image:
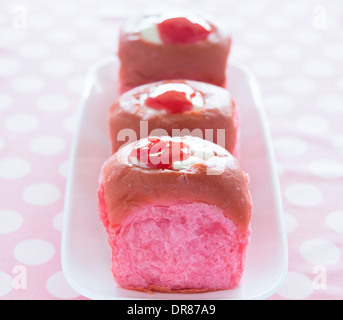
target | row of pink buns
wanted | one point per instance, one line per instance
(176, 207)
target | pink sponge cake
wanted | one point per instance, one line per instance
(175, 108)
(172, 46)
(177, 213)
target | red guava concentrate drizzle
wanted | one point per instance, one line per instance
(156, 153)
(171, 98)
(182, 30)
(170, 101)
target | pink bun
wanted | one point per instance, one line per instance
(218, 116)
(144, 62)
(176, 231)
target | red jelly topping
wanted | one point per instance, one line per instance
(172, 98)
(160, 154)
(182, 30)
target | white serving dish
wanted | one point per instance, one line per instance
(85, 251)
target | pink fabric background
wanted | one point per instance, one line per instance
(295, 49)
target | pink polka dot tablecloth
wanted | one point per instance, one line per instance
(295, 49)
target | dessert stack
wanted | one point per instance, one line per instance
(173, 198)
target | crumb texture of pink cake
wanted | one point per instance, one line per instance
(181, 247)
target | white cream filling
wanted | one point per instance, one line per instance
(199, 155)
(136, 162)
(148, 30)
(178, 165)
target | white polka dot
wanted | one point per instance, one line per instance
(21, 123)
(334, 221)
(12, 37)
(258, 37)
(333, 23)
(250, 9)
(277, 22)
(59, 287)
(297, 286)
(5, 284)
(47, 145)
(75, 84)
(302, 194)
(5, 101)
(86, 23)
(58, 222)
(296, 8)
(10, 221)
(320, 252)
(57, 67)
(291, 223)
(312, 124)
(34, 50)
(112, 9)
(14, 168)
(299, 85)
(339, 84)
(241, 53)
(40, 21)
(53, 103)
(9, 66)
(320, 68)
(28, 84)
(71, 123)
(65, 8)
(288, 52)
(63, 169)
(288, 146)
(232, 24)
(331, 103)
(279, 103)
(61, 36)
(326, 168)
(3, 18)
(338, 143)
(85, 52)
(333, 51)
(108, 40)
(34, 251)
(41, 194)
(2, 144)
(267, 68)
(337, 7)
(306, 36)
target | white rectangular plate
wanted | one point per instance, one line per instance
(85, 251)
